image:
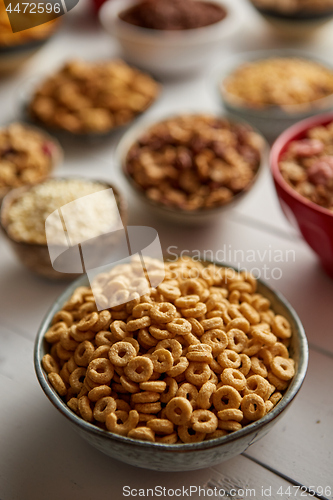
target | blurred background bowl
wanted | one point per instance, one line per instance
(163, 52)
(170, 214)
(314, 222)
(179, 457)
(35, 256)
(270, 121)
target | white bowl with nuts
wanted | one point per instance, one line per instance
(169, 50)
(189, 168)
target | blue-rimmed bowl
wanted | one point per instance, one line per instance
(179, 457)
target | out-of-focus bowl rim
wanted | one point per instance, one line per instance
(297, 16)
(287, 398)
(142, 126)
(295, 132)
(171, 37)
(270, 112)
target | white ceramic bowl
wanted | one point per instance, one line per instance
(163, 52)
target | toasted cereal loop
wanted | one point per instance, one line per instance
(187, 384)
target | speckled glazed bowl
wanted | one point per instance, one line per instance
(179, 457)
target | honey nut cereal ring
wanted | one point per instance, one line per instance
(204, 399)
(197, 328)
(195, 312)
(252, 348)
(145, 397)
(163, 312)
(103, 407)
(179, 367)
(204, 421)
(161, 426)
(191, 339)
(258, 367)
(173, 346)
(54, 332)
(119, 329)
(226, 397)
(234, 297)
(133, 299)
(81, 336)
(49, 364)
(153, 386)
(139, 369)
(100, 371)
(170, 391)
(129, 385)
(84, 407)
(253, 407)
(128, 421)
(188, 435)
(281, 327)
(179, 326)
(119, 316)
(141, 310)
(63, 316)
(283, 368)
(197, 373)
(169, 439)
(275, 397)
(57, 383)
(170, 292)
(67, 342)
(216, 434)
(229, 359)
(263, 336)
(146, 417)
(269, 406)
(62, 353)
(189, 392)
(148, 407)
(145, 339)
(229, 425)
(230, 414)
(216, 339)
(121, 353)
(122, 405)
(257, 385)
(237, 340)
(134, 343)
(104, 320)
(179, 411)
(71, 365)
(65, 373)
(216, 367)
(101, 352)
(233, 377)
(73, 404)
(200, 352)
(102, 391)
(212, 323)
(266, 356)
(104, 337)
(234, 312)
(245, 366)
(88, 322)
(137, 324)
(143, 434)
(191, 287)
(162, 360)
(83, 353)
(159, 334)
(76, 379)
(278, 349)
(249, 313)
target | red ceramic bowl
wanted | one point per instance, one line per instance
(314, 222)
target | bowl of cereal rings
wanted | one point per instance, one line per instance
(189, 168)
(302, 168)
(178, 377)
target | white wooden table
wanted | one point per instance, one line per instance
(40, 457)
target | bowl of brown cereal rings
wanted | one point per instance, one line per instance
(189, 168)
(274, 89)
(179, 377)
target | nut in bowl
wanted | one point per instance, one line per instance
(25, 219)
(275, 89)
(170, 38)
(191, 167)
(302, 168)
(92, 99)
(181, 378)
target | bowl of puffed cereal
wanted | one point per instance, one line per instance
(302, 168)
(275, 89)
(90, 99)
(189, 168)
(178, 377)
(46, 223)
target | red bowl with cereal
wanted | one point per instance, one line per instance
(302, 167)
(189, 168)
